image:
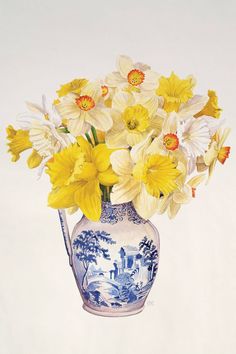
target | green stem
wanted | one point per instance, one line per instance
(88, 138)
(103, 189)
(95, 135)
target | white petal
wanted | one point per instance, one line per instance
(68, 110)
(213, 123)
(163, 204)
(193, 106)
(211, 154)
(92, 89)
(77, 126)
(173, 209)
(156, 147)
(138, 151)
(196, 180)
(156, 124)
(33, 107)
(184, 195)
(150, 81)
(170, 123)
(134, 138)
(100, 119)
(115, 79)
(150, 103)
(142, 66)
(124, 65)
(121, 162)
(116, 139)
(145, 204)
(121, 100)
(195, 136)
(125, 191)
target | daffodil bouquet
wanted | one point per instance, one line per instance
(135, 136)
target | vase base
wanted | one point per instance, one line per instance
(112, 314)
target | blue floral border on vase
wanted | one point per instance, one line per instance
(112, 214)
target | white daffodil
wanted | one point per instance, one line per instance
(134, 116)
(182, 195)
(81, 111)
(143, 178)
(216, 152)
(46, 133)
(190, 137)
(132, 76)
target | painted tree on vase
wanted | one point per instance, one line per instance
(89, 248)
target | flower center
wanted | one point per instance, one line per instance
(136, 118)
(135, 77)
(104, 90)
(171, 141)
(85, 102)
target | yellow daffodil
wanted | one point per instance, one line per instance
(76, 174)
(74, 86)
(143, 179)
(175, 91)
(134, 116)
(131, 76)
(83, 110)
(19, 142)
(211, 108)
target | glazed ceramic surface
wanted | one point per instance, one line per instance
(114, 260)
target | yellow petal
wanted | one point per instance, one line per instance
(61, 166)
(211, 108)
(34, 160)
(72, 86)
(108, 177)
(101, 157)
(85, 146)
(87, 172)
(88, 199)
(63, 197)
(19, 142)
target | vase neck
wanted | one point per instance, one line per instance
(111, 214)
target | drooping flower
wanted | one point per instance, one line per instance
(211, 108)
(175, 91)
(83, 110)
(18, 142)
(134, 116)
(132, 76)
(74, 86)
(142, 179)
(215, 152)
(76, 174)
(182, 195)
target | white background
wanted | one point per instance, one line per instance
(192, 306)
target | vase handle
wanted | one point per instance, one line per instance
(66, 233)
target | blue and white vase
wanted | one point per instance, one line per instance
(114, 260)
